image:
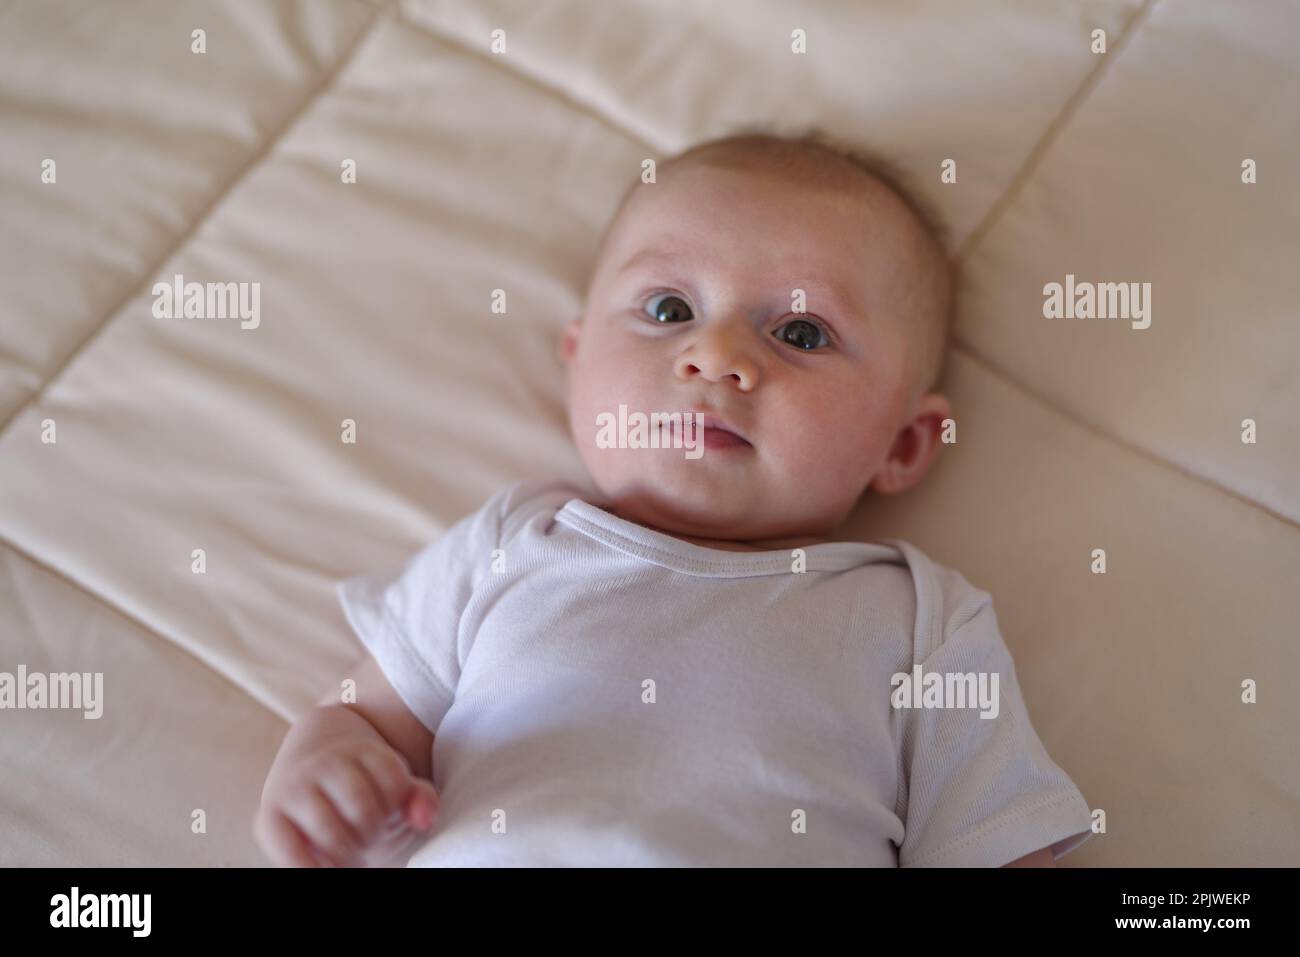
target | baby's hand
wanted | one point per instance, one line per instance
(342, 805)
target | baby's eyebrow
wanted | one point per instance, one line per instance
(842, 301)
(648, 257)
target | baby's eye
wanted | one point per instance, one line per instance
(802, 334)
(670, 308)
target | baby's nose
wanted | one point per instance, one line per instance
(718, 357)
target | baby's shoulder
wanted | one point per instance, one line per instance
(529, 500)
(943, 600)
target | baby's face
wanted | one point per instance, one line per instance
(820, 394)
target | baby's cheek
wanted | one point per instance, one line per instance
(839, 448)
(827, 427)
(584, 405)
(607, 376)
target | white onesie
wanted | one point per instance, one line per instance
(603, 694)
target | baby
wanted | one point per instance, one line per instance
(679, 664)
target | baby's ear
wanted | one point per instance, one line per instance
(915, 447)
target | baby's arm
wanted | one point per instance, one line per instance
(388, 714)
(349, 780)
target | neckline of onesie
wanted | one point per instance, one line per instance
(700, 560)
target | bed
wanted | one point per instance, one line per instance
(177, 496)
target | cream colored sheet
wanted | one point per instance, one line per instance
(478, 171)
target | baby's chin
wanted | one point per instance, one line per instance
(682, 502)
(677, 494)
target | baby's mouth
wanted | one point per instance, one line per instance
(714, 432)
(723, 439)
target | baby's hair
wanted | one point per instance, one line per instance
(934, 290)
(755, 139)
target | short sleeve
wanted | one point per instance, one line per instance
(409, 618)
(981, 791)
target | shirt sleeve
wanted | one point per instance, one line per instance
(409, 618)
(982, 791)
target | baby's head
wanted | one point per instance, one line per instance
(694, 305)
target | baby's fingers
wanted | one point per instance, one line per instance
(355, 797)
(283, 842)
(422, 804)
(392, 776)
(321, 823)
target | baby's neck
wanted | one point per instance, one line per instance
(726, 544)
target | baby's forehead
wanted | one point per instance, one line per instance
(841, 193)
(827, 221)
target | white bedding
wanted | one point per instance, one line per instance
(476, 171)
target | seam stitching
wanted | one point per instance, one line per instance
(533, 79)
(248, 166)
(1058, 798)
(131, 618)
(1114, 440)
(1054, 128)
(999, 207)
